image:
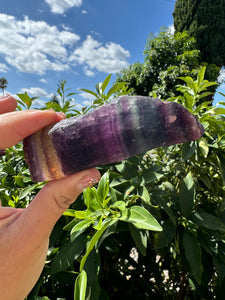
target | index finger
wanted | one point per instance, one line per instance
(15, 126)
(7, 104)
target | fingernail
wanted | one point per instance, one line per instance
(60, 115)
(86, 182)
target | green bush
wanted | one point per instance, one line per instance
(110, 243)
(167, 57)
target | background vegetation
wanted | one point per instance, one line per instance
(154, 227)
(205, 21)
(110, 243)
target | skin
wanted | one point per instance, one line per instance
(24, 233)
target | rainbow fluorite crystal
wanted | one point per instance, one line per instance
(126, 126)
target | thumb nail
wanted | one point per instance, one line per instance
(88, 181)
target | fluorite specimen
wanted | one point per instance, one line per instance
(126, 126)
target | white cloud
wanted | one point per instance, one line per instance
(38, 103)
(87, 103)
(34, 92)
(37, 47)
(66, 27)
(60, 6)
(110, 58)
(87, 96)
(43, 80)
(88, 72)
(171, 29)
(221, 78)
(84, 12)
(3, 68)
(34, 46)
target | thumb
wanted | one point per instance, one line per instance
(54, 198)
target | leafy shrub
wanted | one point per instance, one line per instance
(110, 244)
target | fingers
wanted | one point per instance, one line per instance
(7, 104)
(56, 196)
(8, 215)
(15, 126)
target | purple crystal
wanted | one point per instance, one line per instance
(126, 126)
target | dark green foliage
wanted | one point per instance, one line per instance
(109, 242)
(204, 20)
(167, 57)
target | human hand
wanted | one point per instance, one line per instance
(24, 233)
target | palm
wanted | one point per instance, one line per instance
(3, 84)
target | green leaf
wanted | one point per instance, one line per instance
(80, 228)
(221, 94)
(70, 94)
(103, 187)
(163, 238)
(207, 220)
(89, 92)
(189, 101)
(221, 157)
(128, 170)
(92, 200)
(109, 230)
(203, 146)
(140, 238)
(201, 75)
(121, 205)
(140, 218)
(68, 254)
(26, 99)
(167, 209)
(193, 255)
(94, 240)
(202, 106)
(106, 82)
(205, 84)
(188, 80)
(69, 212)
(143, 193)
(26, 191)
(98, 226)
(217, 111)
(203, 95)
(87, 197)
(80, 214)
(150, 176)
(186, 90)
(187, 195)
(128, 192)
(69, 226)
(116, 87)
(188, 149)
(220, 268)
(92, 268)
(80, 286)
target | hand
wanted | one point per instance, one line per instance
(24, 233)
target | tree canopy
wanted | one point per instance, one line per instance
(167, 57)
(204, 20)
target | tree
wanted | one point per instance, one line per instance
(204, 20)
(167, 57)
(3, 84)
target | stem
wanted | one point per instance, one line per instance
(182, 286)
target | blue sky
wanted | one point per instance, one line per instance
(80, 41)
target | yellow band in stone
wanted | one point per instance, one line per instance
(50, 164)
